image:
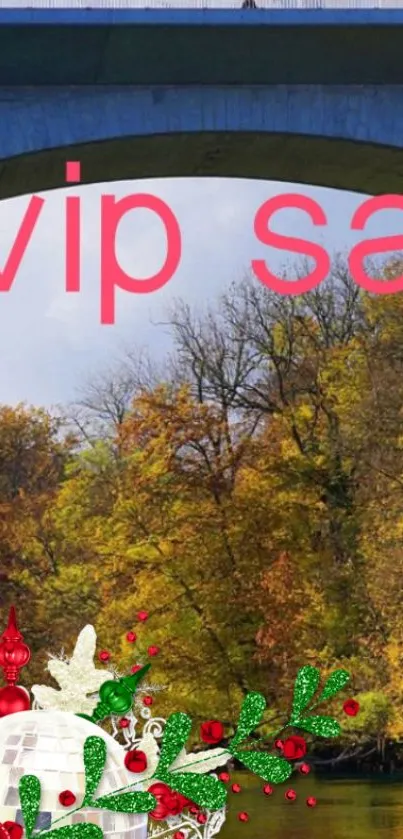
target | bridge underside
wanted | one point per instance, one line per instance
(320, 161)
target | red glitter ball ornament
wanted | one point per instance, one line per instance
(236, 788)
(153, 650)
(124, 723)
(311, 801)
(224, 777)
(212, 731)
(13, 698)
(290, 795)
(294, 748)
(268, 789)
(131, 637)
(202, 818)
(148, 701)
(193, 810)
(142, 616)
(104, 656)
(305, 769)
(67, 798)
(179, 835)
(14, 830)
(136, 761)
(243, 817)
(136, 668)
(351, 707)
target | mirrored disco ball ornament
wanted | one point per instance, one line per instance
(50, 745)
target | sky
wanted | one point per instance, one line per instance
(51, 342)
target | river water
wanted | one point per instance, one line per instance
(344, 810)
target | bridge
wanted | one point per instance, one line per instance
(312, 95)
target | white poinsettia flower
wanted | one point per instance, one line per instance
(78, 678)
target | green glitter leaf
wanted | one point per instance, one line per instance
(322, 726)
(127, 802)
(306, 685)
(252, 711)
(204, 790)
(94, 763)
(30, 796)
(269, 767)
(176, 732)
(76, 831)
(334, 684)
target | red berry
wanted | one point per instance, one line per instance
(224, 776)
(351, 707)
(13, 829)
(136, 761)
(279, 744)
(179, 835)
(67, 798)
(236, 788)
(290, 795)
(243, 817)
(132, 637)
(148, 701)
(305, 769)
(124, 723)
(104, 655)
(153, 650)
(212, 731)
(193, 810)
(142, 616)
(311, 801)
(202, 818)
(268, 789)
(294, 748)
(135, 668)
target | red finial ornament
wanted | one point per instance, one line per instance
(14, 655)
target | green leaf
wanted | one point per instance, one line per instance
(30, 797)
(322, 726)
(205, 791)
(94, 763)
(253, 708)
(127, 802)
(76, 831)
(269, 767)
(306, 685)
(176, 732)
(334, 684)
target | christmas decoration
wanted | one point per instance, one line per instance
(78, 679)
(49, 748)
(116, 695)
(311, 801)
(351, 707)
(211, 731)
(294, 748)
(73, 775)
(14, 655)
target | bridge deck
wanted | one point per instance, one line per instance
(188, 47)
